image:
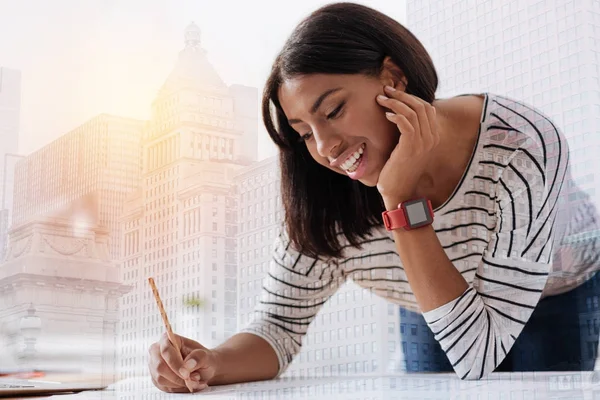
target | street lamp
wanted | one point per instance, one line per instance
(30, 327)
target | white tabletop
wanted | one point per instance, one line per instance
(512, 386)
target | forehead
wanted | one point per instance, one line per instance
(298, 94)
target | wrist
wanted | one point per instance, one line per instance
(218, 365)
(391, 202)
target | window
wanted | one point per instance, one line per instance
(391, 346)
(415, 365)
(414, 348)
(413, 329)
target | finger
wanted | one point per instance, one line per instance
(434, 136)
(427, 118)
(425, 115)
(407, 130)
(396, 106)
(196, 361)
(195, 376)
(168, 389)
(162, 380)
(188, 345)
(170, 355)
(159, 367)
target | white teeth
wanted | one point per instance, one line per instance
(353, 160)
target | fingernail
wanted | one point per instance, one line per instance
(195, 376)
(382, 97)
(189, 364)
(389, 114)
(184, 372)
(391, 89)
(197, 385)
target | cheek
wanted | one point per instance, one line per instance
(312, 149)
(381, 132)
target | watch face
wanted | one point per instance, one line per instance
(417, 213)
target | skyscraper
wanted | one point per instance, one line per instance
(181, 225)
(354, 332)
(101, 156)
(6, 202)
(544, 54)
(10, 106)
(60, 292)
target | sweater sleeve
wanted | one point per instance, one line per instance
(293, 291)
(478, 329)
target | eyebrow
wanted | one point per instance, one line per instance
(317, 103)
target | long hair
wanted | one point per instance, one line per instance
(340, 38)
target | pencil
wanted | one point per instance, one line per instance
(163, 314)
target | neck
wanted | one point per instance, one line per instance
(449, 158)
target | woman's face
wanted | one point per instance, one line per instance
(339, 119)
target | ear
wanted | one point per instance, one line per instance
(392, 75)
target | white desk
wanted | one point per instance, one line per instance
(511, 386)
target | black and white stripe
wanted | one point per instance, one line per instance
(500, 238)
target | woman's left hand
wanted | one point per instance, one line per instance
(416, 120)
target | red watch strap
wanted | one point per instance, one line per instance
(394, 219)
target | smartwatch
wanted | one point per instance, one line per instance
(410, 214)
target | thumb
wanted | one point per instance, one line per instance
(197, 359)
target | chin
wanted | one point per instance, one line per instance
(368, 182)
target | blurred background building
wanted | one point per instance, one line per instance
(183, 197)
(10, 106)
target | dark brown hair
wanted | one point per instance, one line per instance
(340, 38)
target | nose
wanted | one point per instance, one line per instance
(328, 143)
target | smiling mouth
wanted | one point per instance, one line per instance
(352, 162)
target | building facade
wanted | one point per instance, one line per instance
(59, 294)
(102, 156)
(355, 331)
(6, 202)
(544, 54)
(180, 226)
(10, 106)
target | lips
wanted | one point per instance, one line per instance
(346, 160)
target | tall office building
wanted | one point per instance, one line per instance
(59, 292)
(10, 106)
(354, 332)
(544, 54)
(6, 202)
(58, 261)
(180, 226)
(101, 156)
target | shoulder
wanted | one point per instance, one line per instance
(466, 111)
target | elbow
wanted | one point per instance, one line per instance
(472, 374)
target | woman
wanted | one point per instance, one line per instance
(351, 104)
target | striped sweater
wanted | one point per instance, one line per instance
(500, 228)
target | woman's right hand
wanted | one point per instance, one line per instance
(175, 372)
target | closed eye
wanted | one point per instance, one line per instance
(335, 112)
(304, 137)
(332, 115)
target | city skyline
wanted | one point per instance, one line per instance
(205, 208)
(109, 57)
